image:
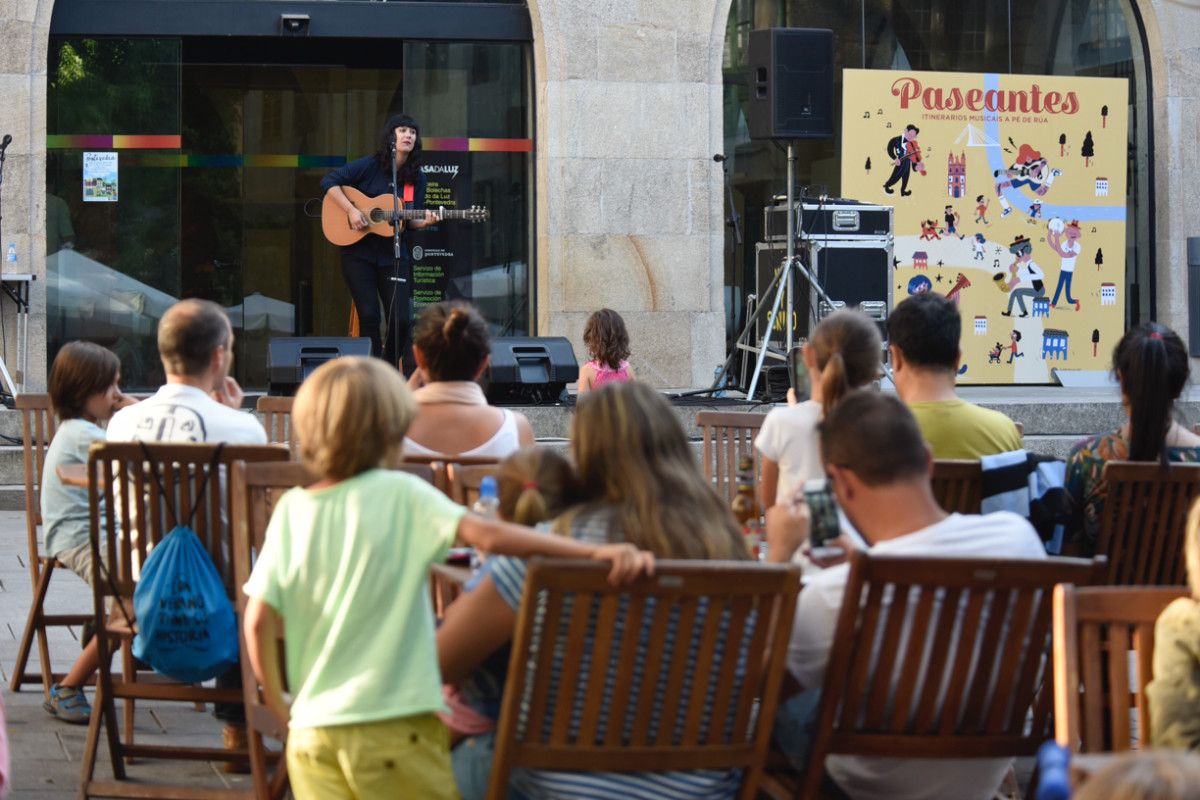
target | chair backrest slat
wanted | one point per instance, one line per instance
(654, 697)
(958, 485)
(727, 437)
(939, 657)
(276, 415)
(1096, 629)
(1142, 522)
(465, 479)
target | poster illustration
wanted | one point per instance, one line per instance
(100, 177)
(1010, 198)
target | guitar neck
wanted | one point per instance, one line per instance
(409, 214)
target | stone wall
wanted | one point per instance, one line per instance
(630, 211)
(1175, 65)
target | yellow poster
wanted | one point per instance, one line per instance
(1009, 193)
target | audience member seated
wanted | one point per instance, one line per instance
(200, 402)
(843, 354)
(452, 349)
(535, 484)
(879, 468)
(641, 484)
(1174, 693)
(83, 392)
(607, 343)
(923, 334)
(1151, 366)
(343, 573)
(1145, 775)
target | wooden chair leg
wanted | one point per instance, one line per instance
(129, 675)
(35, 625)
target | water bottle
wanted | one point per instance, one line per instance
(1054, 765)
(488, 505)
(11, 258)
(719, 378)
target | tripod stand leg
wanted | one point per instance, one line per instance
(762, 351)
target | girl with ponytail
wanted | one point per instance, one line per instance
(1151, 366)
(844, 354)
(452, 348)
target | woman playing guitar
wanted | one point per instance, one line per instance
(369, 266)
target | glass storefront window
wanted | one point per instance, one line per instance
(221, 146)
(1057, 37)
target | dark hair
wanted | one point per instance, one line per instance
(605, 337)
(912, 128)
(848, 352)
(979, 199)
(454, 339)
(925, 328)
(80, 370)
(410, 170)
(1152, 367)
(189, 333)
(875, 436)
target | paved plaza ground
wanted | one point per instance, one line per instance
(46, 753)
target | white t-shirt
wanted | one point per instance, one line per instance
(181, 413)
(1030, 271)
(999, 535)
(1074, 248)
(789, 438)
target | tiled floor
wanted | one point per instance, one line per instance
(46, 753)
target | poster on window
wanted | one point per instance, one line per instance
(442, 254)
(1009, 193)
(99, 177)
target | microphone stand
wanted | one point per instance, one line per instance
(397, 258)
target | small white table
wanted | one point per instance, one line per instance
(16, 286)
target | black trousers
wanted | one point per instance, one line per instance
(377, 297)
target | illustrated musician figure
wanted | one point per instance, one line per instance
(905, 154)
(369, 266)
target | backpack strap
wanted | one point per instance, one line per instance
(213, 465)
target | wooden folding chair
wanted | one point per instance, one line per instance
(579, 697)
(728, 436)
(465, 480)
(137, 516)
(958, 485)
(256, 488)
(940, 658)
(1142, 522)
(1095, 630)
(37, 429)
(439, 464)
(277, 420)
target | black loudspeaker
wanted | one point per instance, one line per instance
(791, 83)
(291, 359)
(530, 370)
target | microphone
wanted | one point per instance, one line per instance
(719, 157)
(6, 141)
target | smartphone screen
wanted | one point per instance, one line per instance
(798, 373)
(824, 510)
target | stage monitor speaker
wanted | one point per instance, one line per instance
(791, 83)
(291, 359)
(530, 370)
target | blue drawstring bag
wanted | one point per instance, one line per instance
(186, 628)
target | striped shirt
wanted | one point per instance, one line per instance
(508, 575)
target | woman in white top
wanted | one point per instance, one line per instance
(452, 348)
(844, 354)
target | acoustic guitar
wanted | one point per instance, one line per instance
(336, 225)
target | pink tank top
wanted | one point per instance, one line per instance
(606, 374)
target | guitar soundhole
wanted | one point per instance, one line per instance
(376, 215)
